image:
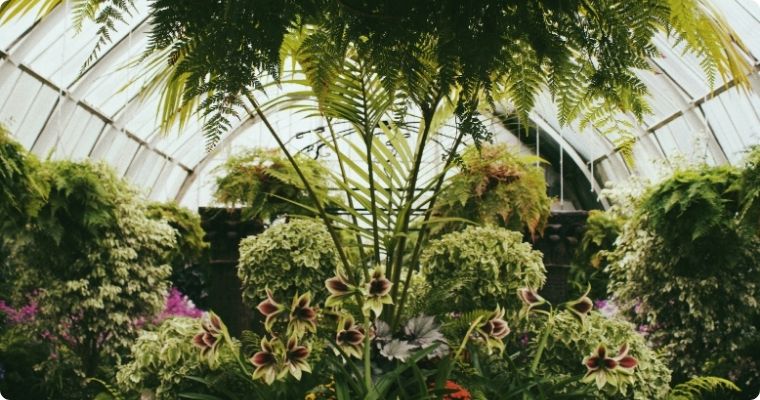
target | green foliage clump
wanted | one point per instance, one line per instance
(592, 257)
(297, 256)
(96, 259)
(267, 185)
(569, 341)
(750, 187)
(19, 353)
(693, 214)
(687, 269)
(20, 192)
(187, 256)
(161, 359)
(499, 187)
(480, 267)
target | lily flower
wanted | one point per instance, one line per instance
(295, 359)
(265, 361)
(350, 337)
(624, 360)
(582, 306)
(270, 308)
(211, 336)
(339, 289)
(378, 292)
(603, 369)
(530, 299)
(302, 316)
(494, 330)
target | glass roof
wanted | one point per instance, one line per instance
(58, 110)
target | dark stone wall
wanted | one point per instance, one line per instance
(559, 243)
(224, 230)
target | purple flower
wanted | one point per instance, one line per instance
(22, 315)
(607, 308)
(177, 305)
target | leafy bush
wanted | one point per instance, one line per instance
(497, 186)
(592, 257)
(750, 187)
(685, 268)
(97, 261)
(570, 340)
(161, 359)
(297, 256)
(20, 192)
(261, 180)
(480, 267)
(189, 273)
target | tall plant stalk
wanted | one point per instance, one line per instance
(403, 228)
(312, 194)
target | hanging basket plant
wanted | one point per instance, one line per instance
(497, 186)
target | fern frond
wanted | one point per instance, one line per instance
(695, 388)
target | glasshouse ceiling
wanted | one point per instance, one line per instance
(60, 110)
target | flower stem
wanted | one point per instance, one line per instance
(367, 359)
(466, 339)
(542, 343)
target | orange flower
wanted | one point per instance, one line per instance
(455, 392)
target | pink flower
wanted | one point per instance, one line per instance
(178, 305)
(22, 315)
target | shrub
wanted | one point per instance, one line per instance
(161, 359)
(685, 267)
(20, 191)
(261, 180)
(297, 256)
(97, 260)
(569, 341)
(187, 257)
(497, 186)
(480, 267)
(592, 257)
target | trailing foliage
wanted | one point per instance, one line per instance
(592, 256)
(496, 186)
(97, 261)
(297, 256)
(684, 264)
(264, 182)
(584, 52)
(480, 268)
(692, 213)
(187, 257)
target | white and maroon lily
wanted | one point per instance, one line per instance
(530, 299)
(581, 307)
(494, 330)
(378, 292)
(350, 337)
(266, 362)
(270, 308)
(339, 289)
(604, 369)
(211, 336)
(302, 316)
(295, 359)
